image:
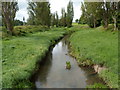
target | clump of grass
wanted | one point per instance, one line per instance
(97, 86)
(68, 65)
(85, 63)
(99, 46)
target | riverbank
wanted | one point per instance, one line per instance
(97, 47)
(21, 54)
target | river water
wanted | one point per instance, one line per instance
(52, 72)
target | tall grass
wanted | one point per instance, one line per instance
(101, 47)
(20, 55)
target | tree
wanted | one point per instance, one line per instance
(83, 18)
(77, 21)
(105, 13)
(63, 18)
(91, 13)
(43, 15)
(53, 19)
(115, 10)
(31, 12)
(56, 19)
(9, 10)
(18, 23)
(39, 13)
(70, 14)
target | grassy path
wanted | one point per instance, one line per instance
(20, 54)
(99, 46)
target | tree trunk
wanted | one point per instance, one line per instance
(106, 23)
(9, 25)
(94, 23)
(115, 22)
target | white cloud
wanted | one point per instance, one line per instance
(22, 4)
(56, 5)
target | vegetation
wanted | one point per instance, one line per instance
(100, 13)
(20, 55)
(70, 14)
(23, 46)
(9, 10)
(39, 13)
(102, 49)
(68, 65)
(97, 86)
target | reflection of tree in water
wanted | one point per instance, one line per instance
(44, 68)
(91, 76)
(65, 40)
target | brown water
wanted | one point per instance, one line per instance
(52, 72)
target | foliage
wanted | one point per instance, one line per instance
(97, 13)
(68, 65)
(9, 10)
(70, 14)
(97, 86)
(63, 18)
(23, 30)
(31, 12)
(39, 13)
(18, 23)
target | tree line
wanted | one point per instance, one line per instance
(40, 14)
(93, 13)
(101, 13)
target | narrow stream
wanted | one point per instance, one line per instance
(52, 72)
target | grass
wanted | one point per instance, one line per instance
(97, 86)
(20, 55)
(99, 46)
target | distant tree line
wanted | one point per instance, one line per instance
(39, 14)
(100, 13)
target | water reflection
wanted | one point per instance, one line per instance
(44, 70)
(52, 73)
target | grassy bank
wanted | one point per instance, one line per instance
(101, 47)
(20, 55)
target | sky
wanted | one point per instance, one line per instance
(55, 5)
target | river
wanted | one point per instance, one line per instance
(53, 74)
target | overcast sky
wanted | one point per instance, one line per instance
(55, 5)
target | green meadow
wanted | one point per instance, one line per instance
(22, 52)
(101, 47)
(20, 55)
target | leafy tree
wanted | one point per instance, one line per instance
(9, 10)
(70, 14)
(43, 15)
(105, 13)
(31, 12)
(39, 13)
(115, 10)
(63, 18)
(56, 19)
(77, 21)
(93, 13)
(18, 23)
(53, 19)
(83, 18)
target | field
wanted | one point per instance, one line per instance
(101, 47)
(20, 55)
